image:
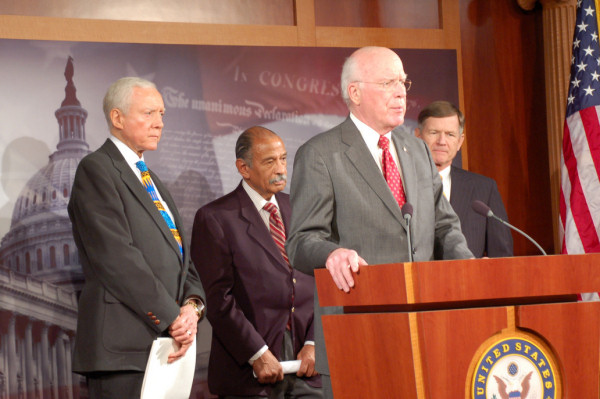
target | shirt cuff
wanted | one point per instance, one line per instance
(195, 298)
(258, 354)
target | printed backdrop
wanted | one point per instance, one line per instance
(211, 94)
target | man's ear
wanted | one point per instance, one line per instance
(418, 132)
(461, 140)
(354, 93)
(242, 168)
(116, 117)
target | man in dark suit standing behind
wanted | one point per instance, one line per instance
(139, 280)
(441, 126)
(260, 309)
(350, 183)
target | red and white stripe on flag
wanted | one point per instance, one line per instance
(580, 158)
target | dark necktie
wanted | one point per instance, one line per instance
(147, 181)
(390, 171)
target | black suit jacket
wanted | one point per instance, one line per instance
(485, 236)
(249, 289)
(135, 277)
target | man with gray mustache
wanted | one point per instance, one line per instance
(261, 309)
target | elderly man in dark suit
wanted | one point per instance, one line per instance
(350, 183)
(139, 280)
(260, 309)
(441, 126)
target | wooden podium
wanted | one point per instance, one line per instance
(419, 330)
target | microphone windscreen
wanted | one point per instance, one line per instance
(407, 209)
(481, 208)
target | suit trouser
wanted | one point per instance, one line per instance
(115, 384)
(327, 390)
(291, 386)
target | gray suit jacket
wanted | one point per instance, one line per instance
(135, 277)
(484, 236)
(340, 199)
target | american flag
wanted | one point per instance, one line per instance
(580, 158)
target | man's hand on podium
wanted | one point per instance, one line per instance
(341, 263)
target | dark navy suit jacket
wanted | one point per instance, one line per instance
(485, 236)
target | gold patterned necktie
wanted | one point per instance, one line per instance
(149, 185)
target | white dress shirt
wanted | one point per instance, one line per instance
(371, 138)
(132, 158)
(259, 202)
(446, 181)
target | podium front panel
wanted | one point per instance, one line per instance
(370, 355)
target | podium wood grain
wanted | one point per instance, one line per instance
(413, 330)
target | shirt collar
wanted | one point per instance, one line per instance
(445, 172)
(370, 136)
(130, 156)
(257, 199)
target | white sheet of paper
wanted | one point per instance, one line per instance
(163, 380)
(291, 366)
(288, 366)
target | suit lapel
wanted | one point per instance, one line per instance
(257, 229)
(358, 153)
(409, 177)
(460, 192)
(140, 193)
(285, 210)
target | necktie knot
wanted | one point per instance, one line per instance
(141, 165)
(383, 143)
(270, 207)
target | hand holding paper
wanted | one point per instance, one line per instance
(168, 380)
(267, 369)
(289, 367)
(307, 358)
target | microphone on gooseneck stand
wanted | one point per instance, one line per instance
(407, 211)
(485, 210)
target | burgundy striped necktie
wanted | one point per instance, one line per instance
(277, 229)
(278, 233)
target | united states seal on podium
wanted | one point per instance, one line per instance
(515, 365)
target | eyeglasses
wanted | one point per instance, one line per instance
(391, 85)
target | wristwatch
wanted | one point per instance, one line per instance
(198, 308)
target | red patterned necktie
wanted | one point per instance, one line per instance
(390, 171)
(277, 229)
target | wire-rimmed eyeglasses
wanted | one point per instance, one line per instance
(392, 84)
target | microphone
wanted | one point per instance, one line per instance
(407, 211)
(485, 210)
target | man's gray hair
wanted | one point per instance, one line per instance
(349, 72)
(119, 94)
